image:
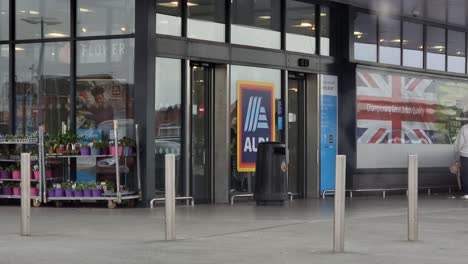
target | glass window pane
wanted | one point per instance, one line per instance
(110, 17)
(456, 12)
(4, 19)
(435, 46)
(436, 10)
(412, 45)
(325, 31)
(365, 37)
(42, 86)
(206, 19)
(105, 83)
(260, 18)
(253, 74)
(4, 89)
(300, 27)
(42, 19)
(413, 8)
(389, 41)
(168, 115)
(168, 17)
(456, 51)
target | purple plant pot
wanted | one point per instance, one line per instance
(59, 193)
(4, 175)
(50, 193)
(97, 192)
(87, 193)
(78, 193)
(104, 151)
(85, 151)
(7, 191)
(68, 193)
(127, 151)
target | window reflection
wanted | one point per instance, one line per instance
(412, 45)
(456, 12)
(435, 46)
(300, 27)
(206, 19)
(110, 17)
(104, 83)
(456, 51)
(42, 19)
(42, 86)
(389, 41)
(325, 31)
(168, 116)
(365, 37)
(4, 19)
(4, 89)
(168, 17)
(436, 10)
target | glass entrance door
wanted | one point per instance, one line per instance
(202, 82)
(296, 133)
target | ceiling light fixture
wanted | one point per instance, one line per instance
(323, 14)
(357, 33)
(85, 10)
(304, 25)
(55, 35)
(33, 12)
(123, 29)
(19, 49)
(264, 17)
(84, 30)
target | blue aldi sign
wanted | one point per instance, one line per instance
(256, 121)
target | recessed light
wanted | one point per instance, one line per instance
(264, 17)
(357, 33)
(323, 14)
(22, 11)
(33, 12)
(123, 29)
(55, 35)
(84, 30)
(85, 10)
(19, 49)
(170, 4)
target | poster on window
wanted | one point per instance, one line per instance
(400, 109)
(256, 121)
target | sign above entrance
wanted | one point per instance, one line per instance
(256, 121)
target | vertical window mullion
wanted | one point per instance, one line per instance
(227, 21)
(318, 32)
(11, 75)
(184, 15)
(73, 24)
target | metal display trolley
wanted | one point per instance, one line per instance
(119, 169)
(38, 143)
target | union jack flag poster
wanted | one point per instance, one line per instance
(395, 108)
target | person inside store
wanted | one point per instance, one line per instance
(461, 153)
(100, 111)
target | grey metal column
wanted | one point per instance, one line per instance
(340, 185)
(170, 196)
(187, 134)
(25, 194)
(413, 198)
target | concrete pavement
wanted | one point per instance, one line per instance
(300, 232)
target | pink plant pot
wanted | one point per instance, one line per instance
(112, 150)
(16, 174)
(49, 174)
(34, 191)
(16, 191)
(36, 175)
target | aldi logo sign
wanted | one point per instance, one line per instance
(256, 121)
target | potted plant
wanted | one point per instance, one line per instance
(104, 146)
(84, 150)
(97, 190)
(4, 173)
(59, 192)
(112, 150)
(7, 189)
(49, 172)
(36, 173)
(51, 143)
(108, 186)
(127, 146)
(15, 172)
(77, 189)
(34, 191)
(59, 145)
(95, 148)
(67, 187)
(16, 189)
(87, 189)
(51, 192)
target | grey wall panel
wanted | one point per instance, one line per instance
(257, 56)
(171, 47)
(221, 157)
(198, 50)
(312, 135)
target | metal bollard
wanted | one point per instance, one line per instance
(413, 198)
(170, 196)
(340, 193)
(25, 194)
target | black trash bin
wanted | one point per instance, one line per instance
(271, 180)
